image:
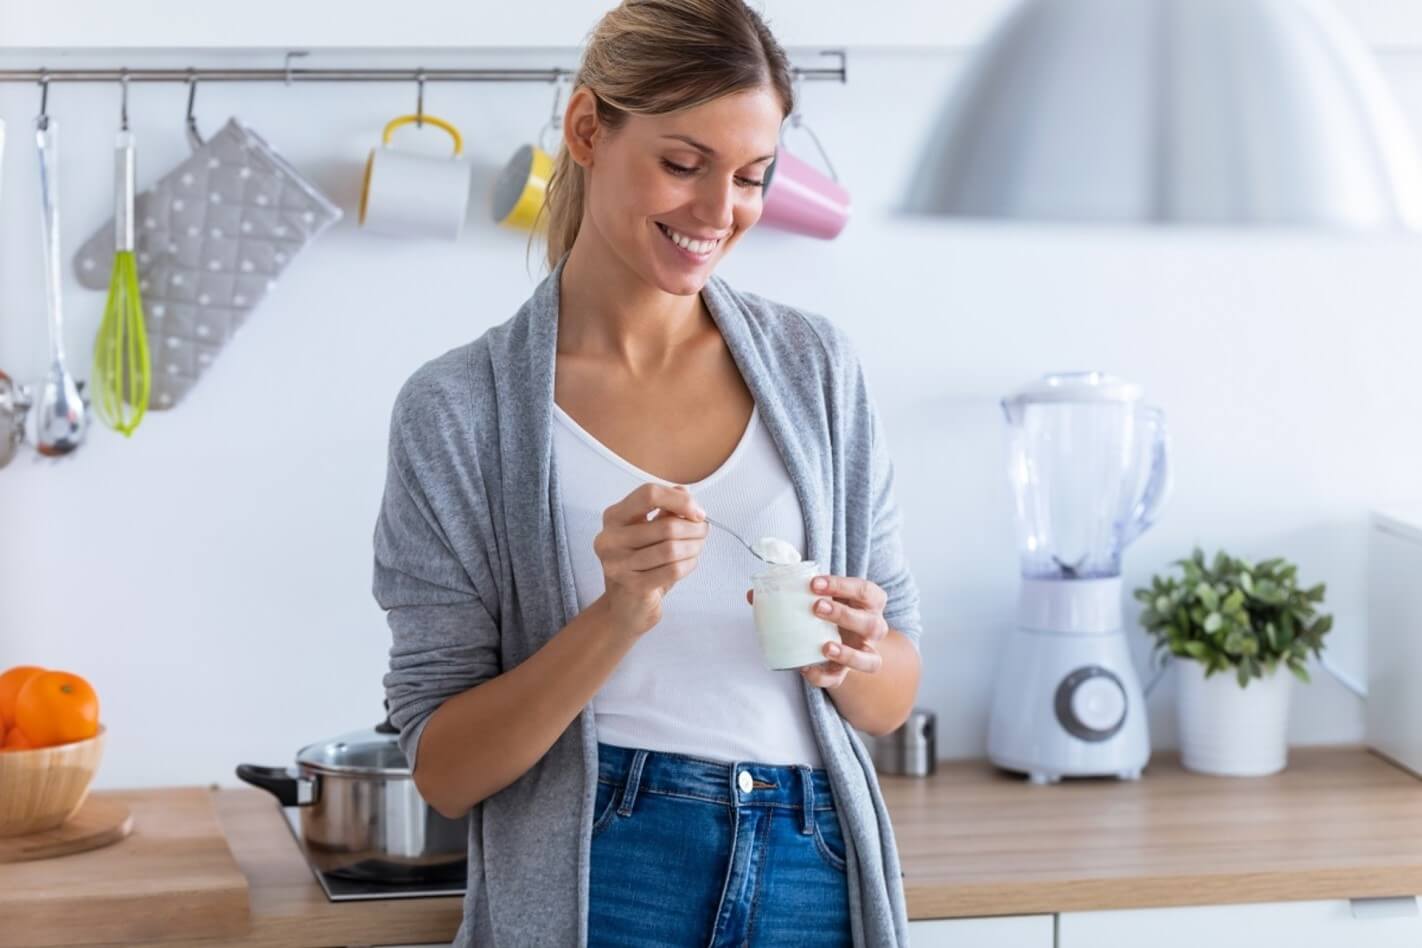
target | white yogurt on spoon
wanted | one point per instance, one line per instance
(775, 550)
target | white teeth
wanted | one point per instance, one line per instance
(686, 243)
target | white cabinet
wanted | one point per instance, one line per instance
(1014, 931)
(1331, 923)
(1393, 643)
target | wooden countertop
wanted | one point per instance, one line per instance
(1338, 823)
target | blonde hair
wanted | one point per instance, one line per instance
(651, 57)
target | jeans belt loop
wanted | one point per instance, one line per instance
(807, 788)
(634, 779)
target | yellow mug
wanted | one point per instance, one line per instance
(415, 195)
(521, 188)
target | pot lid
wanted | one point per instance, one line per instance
(371, 751)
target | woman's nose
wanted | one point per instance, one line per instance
(716, 203)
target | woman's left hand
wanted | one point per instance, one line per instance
(857, 607)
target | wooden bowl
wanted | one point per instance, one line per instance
(41, 788)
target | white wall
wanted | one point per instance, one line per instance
(376, 23)
(211, 576)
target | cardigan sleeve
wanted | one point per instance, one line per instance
(871, 508)
(888, 565)
(445, 639)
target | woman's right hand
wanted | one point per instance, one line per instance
(641, 558)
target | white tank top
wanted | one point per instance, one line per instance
(695, 683)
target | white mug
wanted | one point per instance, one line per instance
(414, 195)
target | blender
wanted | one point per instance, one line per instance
(1089, 472)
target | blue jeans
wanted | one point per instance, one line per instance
(693, 852)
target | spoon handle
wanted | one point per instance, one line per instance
(721, 526)
(47, 140)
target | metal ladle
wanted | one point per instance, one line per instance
(63, 414)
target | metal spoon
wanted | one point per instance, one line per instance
(62, 411)
(739, 538)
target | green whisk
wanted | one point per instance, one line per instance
(121, 367)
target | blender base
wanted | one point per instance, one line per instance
(1069, 704)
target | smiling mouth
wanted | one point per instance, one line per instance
(701, 248)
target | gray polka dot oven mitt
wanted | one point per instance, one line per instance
(212, 237)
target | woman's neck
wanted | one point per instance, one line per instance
(608, 311)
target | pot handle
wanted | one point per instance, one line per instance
(289, 788)
(385, 727)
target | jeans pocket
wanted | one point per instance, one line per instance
(605, 806)
(829, 839)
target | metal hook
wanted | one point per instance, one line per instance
(797, 84)
(43, 121)
(287, 61)
(123, 99)
(194, 138)
(555, 119)
(420, 98)
(797, 120)
(547, 138)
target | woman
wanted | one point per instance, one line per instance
(573, 662)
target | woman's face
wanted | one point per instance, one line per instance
(670, 194)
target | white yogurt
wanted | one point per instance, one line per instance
(790, 634)
(775, 550)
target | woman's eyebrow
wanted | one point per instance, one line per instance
(707, 150)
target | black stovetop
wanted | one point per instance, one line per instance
(339, 889)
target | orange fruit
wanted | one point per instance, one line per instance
(57, 707)
(15, 740)
(10, 684)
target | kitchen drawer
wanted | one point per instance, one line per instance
(1331, 923)
(1008, 931)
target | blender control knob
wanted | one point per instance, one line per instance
(1091, 703)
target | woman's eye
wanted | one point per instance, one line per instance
(682, 171)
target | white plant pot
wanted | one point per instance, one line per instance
(1229, 730)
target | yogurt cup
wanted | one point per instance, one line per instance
(790, 634)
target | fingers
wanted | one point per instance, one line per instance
(668, 551)
(869, 626)
(647, 500)
(664, 576)
(634, 536)
(825, 675)
(840, 660)
(864, 659)
(862, 592)
(645, 555)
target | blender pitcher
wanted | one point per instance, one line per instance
(1089, 472)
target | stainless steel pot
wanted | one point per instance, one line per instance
(361, 816)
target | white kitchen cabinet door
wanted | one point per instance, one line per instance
(1333, 923)
(1008, 931)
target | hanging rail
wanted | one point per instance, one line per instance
(289, 75)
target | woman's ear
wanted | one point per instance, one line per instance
(580, 126)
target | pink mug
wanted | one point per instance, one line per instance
(802, 200)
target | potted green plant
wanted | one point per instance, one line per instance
(1238, 624)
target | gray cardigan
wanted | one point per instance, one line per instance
(473, 568)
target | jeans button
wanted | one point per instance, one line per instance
(744, 781)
